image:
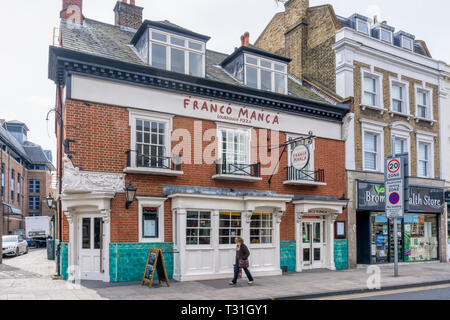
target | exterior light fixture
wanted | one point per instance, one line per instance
(130, 194)
(50, 201)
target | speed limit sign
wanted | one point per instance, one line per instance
(394, 169)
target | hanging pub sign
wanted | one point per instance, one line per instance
(300, 157)
(155, 263)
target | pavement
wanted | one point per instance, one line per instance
(28, 277)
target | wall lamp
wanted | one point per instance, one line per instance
(130, 194)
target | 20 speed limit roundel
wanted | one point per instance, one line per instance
(393, 166)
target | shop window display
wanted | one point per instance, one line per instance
(380, 238)
(421, 237)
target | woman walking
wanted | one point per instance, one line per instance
(242, 254)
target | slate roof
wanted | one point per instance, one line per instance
(108, 41)
(12, 142)
(35, 153)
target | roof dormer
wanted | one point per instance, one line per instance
(404, 40)
(383, 32)
(258, 69)
(166, 46)
(360, 23)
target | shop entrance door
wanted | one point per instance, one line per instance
(90, 247)
(313, 244)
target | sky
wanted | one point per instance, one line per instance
(26, 93)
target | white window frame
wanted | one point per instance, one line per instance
(376, 128)
(403, 131)
(213, 235)
(379, 89)
(272, 237)
(272, 70)
(169, 45)
(403, 38)
(149, 116)
(366, 23)
(429, 93)
(406, 106)
(245, 130)
(424, 137)
(144, 202)
(222, 246)
(381, 29)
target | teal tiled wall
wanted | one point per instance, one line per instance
(127, 260)
(341, 254)
(288, 255)
(64, 259)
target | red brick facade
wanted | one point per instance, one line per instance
(102, 135)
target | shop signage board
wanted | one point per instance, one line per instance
(155, 263)
(300, 157)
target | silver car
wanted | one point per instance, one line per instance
(14, 246)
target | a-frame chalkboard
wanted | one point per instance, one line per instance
(155, 262)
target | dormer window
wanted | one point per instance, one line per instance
(362, 26)
(385, 35)
(266, 75)
(407, 43)
(176, 53)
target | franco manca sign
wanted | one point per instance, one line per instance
(372, 197)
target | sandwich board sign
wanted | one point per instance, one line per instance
(394, 184)
(155, 263)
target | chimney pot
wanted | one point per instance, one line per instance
(72, 10)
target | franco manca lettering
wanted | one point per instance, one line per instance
(231, 113)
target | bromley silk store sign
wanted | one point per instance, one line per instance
(372, 197)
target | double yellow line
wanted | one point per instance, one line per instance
(383, 293)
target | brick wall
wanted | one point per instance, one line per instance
(388, 119)
(102, 136)
(45, 189)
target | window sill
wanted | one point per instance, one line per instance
(151, 240)
(304, 183)
(197, 247)
(364, 107)
(154, 171)
(235, 177)
(395, 113)
(431, 121)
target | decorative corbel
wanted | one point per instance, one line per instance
(106, 215)
(69, 216)
(247, 216)
(277, 215)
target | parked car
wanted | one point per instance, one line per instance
(14, 246)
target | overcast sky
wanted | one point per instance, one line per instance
(27, 27)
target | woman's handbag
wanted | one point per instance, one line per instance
(243, 264)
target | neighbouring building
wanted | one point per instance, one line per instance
(25, 177)
(217, 145)
(395, 87)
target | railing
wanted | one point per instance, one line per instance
(305, 175)
(249, 170)
(138, 160)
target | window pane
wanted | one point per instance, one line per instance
(266, 80)
(150, 222)
(407, 43)
(369, 84)
(280, 83)
(195, 64)
(266, 64)
(178, 41)
(195, 46)
(97, 233)
(385, 35)
(280, 67)
(159, 56)
(177, 60)
(159, 36)
(370, 142)
(86, 229)
(252, 77)
(362, 26)
(251, 60)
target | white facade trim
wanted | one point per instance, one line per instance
(397, 81)
(369, 126)
(428, 139)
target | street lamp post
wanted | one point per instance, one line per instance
(51, 205)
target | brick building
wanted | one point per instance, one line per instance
(217, 145)
(25, 177)
(397, 89)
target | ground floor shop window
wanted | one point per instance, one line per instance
(417, 238)
(229, 227)
(198, 228)
(421, 237)
(261, 228)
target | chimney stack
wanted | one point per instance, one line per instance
(245, 39)
(72, 10)
(128, 14)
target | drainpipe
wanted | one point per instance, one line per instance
(59, 211)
